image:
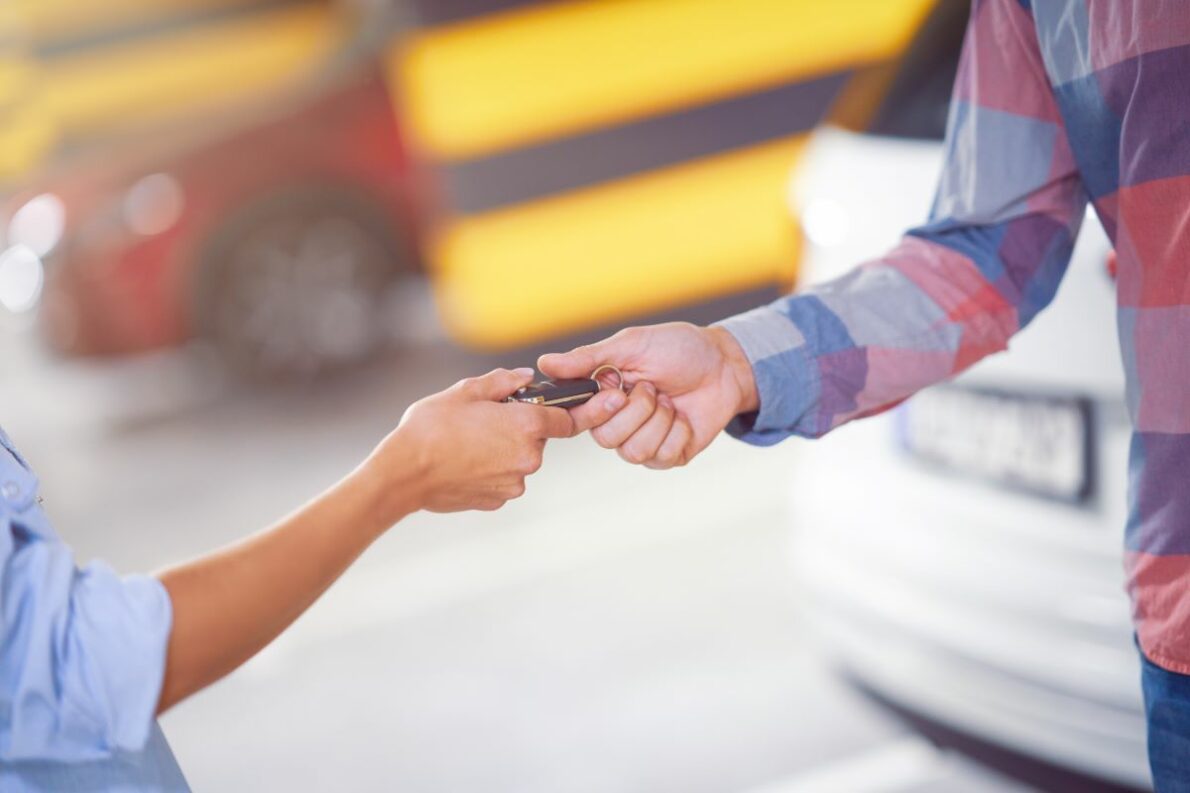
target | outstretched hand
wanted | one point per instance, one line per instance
(692, 382)
(470, 450)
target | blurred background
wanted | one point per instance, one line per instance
(238, 237)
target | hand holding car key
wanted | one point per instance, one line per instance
(565, 393)
(619, 406)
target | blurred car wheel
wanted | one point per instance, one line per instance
(294, 287)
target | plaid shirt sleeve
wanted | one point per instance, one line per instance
(1008, 207)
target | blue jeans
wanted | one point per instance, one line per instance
(1167, 705)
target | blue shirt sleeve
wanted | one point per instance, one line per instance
(82, 651)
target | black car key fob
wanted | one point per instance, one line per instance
(563, 393)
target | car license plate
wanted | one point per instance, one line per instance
(1041, 444)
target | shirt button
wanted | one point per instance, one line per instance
(11, 491)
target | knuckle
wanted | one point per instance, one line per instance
(530, 463)
(669, 457)
(529, 421)
(642, 398)
(602, 438)
(565, 429)
(631, 455)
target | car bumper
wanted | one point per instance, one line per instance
(1001, 615)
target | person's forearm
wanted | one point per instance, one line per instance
(228, 605)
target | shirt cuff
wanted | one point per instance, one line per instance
(787, 380)
(123, 626)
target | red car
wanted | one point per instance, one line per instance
(274, 238)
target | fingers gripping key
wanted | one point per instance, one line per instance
(566, 393)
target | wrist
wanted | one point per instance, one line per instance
(389, 488)
(738, 369)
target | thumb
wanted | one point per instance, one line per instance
(497, 384)
(581, 361)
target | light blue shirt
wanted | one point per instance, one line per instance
(82, 657)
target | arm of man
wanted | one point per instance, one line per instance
(87, 658)
(1008, 207)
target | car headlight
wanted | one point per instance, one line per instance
(154, 204)
(825, 221)
(38, 225)
(22, 277)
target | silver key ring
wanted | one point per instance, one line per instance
(607, 367)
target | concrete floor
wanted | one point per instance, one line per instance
(616, 630)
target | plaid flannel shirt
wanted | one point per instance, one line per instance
(1056, 103)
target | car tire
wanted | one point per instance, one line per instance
(295, 286)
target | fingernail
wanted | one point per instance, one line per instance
(525, 371)
(615, 401)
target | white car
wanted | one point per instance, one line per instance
(962, 554)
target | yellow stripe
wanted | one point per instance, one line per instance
(687, 233)
(189, 73)
(16, 79)
(532, 74)
(26, 137)
(26, 132)
(49, 20)
(13, 23)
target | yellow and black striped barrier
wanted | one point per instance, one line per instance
(111, 68)
(608, 158)
(599, 158)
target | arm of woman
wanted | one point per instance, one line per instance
(457, 450)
